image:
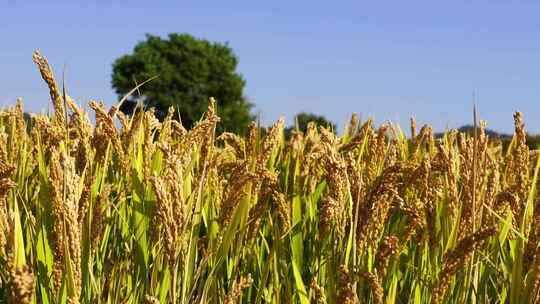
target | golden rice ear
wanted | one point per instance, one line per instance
(413, 127)
(456, 258)
(251, 142)
(374, 282)
(22, 284)
(6, 184)
(148, 299)
(320, 294)
(236, 142)
(56, 95)
(237, 289)
(352, 127)
(271, 141)
(345, 291)
(387, 249)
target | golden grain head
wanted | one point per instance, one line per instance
(237, 288)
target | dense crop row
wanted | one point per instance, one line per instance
(136, 210)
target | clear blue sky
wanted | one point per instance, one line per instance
(386, 59)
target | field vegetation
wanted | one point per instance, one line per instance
(137, 210)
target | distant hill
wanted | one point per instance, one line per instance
(533, 140)
(470, 130)
(491, 133)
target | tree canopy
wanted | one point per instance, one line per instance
(189, 71)
(302, 119)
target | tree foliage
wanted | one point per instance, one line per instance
(302, 119)
(189, 71)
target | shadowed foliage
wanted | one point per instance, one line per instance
(302, 119)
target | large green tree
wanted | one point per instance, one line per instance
(189, 71)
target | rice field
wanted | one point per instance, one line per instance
(134, 210)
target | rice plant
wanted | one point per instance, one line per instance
(137, 210)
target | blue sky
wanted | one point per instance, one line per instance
(387, 59)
